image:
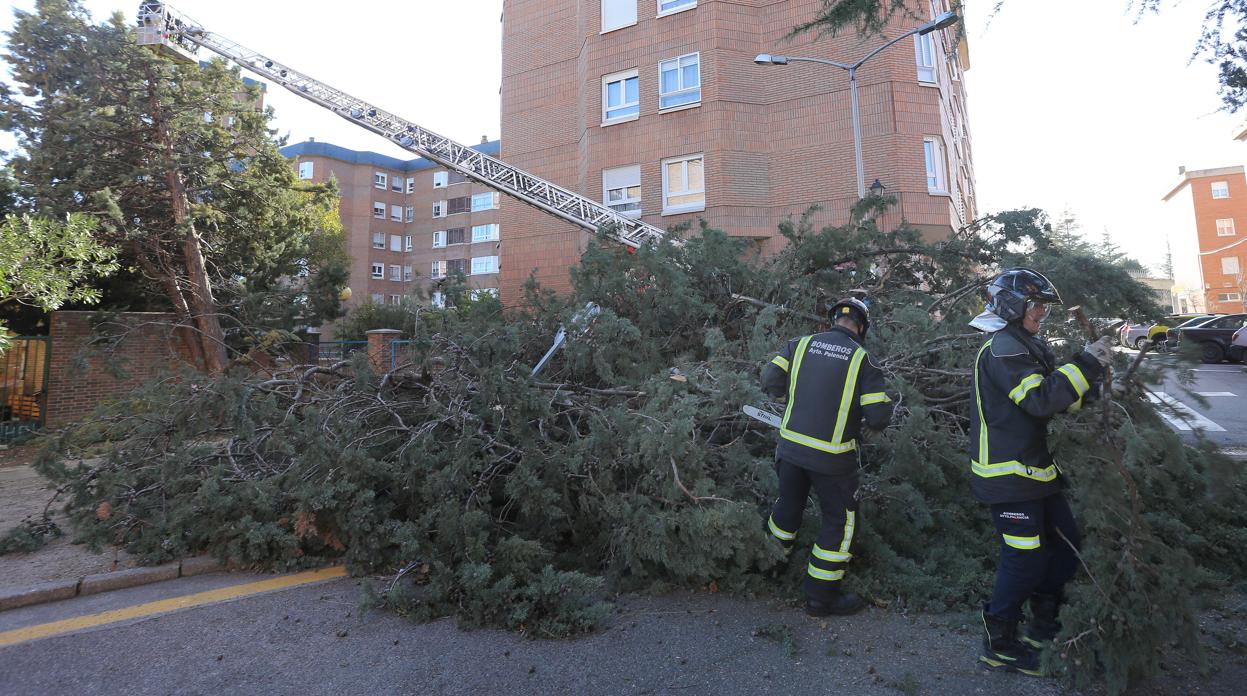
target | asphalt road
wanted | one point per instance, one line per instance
(1214, 402)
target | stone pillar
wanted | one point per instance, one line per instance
(379, 349)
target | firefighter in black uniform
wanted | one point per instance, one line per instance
(831, 384)
(1017, 388)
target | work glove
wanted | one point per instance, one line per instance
(1101, 350)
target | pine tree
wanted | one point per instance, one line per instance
(177, 164)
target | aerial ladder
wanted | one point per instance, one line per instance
(179, 37)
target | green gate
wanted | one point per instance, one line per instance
(23, 387)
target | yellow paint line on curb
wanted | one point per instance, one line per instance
(56, 628)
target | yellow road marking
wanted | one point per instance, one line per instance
(56, 628)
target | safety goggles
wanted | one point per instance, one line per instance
(1037, 310)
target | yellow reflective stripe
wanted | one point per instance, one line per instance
(821, 445)
(1022, 542)
(874, 398)
(978, 399)
(846, 397)
(1048, 473)
(792, 382)
(820, 574)
(786, 536)
(1075, 407)
(831, 556)
(1076, 378)
(781, 362)
(850, 524)
(1023, 388)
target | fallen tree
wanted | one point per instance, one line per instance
(627, 465)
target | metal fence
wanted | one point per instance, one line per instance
(401, 353)
(331, 352)
(23, 387)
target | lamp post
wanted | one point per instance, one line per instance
(946, 19)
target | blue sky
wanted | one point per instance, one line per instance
(1072, 104)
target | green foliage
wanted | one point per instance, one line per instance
(626, 465)
(46, 263)
(29, 535)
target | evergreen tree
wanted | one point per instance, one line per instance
(179, 166)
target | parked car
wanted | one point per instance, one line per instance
(1238, 346)
(1214, 337)
(1135, 335)
(1173, 337)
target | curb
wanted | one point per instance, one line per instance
(57, 590)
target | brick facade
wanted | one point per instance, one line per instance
(775, 139)
(150, 345)
(1206, 239)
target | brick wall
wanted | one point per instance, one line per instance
(150, 344)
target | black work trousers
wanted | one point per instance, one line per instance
(1033, 555)
(833, 548)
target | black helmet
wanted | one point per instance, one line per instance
(1009, 293)
(856, 309)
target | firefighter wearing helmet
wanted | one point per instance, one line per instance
(831, 385)
(1017, 388)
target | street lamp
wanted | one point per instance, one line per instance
(946, 19)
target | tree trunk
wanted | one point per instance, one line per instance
(202, 305)
(190, 336)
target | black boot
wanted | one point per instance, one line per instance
(1003, 651)
(839, 604)
(1043, 625)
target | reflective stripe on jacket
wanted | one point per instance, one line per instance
(1017, 389)
(831, 384)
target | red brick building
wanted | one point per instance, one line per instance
(657, 108)
(1207, 227)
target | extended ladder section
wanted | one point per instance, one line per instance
(177, 35)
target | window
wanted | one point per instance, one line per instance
(459, 205)
(379, 179)
(485, 233)
(480, 293)
(378, 298)
(1220, 189)
(456, 235)
(683, 185)
(666, 7)
(1230, 297)
(439, 209)
(484, 264)
(396, 213)
(679, 81)
(411, 184)
(407, 246)
(1225, 227)
(407, 273)
(1229, 265)
(378, 210)
(617, 14)
(440, 179)
(396, 184)
(457, 266)
(933, 152)
(378, 240)
(456, 178)
(438, 270)
(924, 47)
(484, 201)
(396, 272)
(396, 243)
(621, 98)
(378, 271)
(396, 299)
(438, 300)
(305, 170)
(621, 189)
(439, 239)
(409, 214)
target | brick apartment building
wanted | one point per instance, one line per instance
(408, 223)
(1207, 227)
(657, 108)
